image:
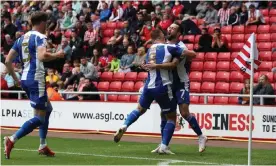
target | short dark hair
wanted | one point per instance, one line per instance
(38, 17)
(179, 27)
(155, 34)
(252, 6)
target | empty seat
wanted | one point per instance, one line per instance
(272, 20)
(236, 76)
(265, 66)
(264, 12)
(273, 37)
(251, 29)
(210, 100)
(196, 46)
(229, 38)
(273, 57)
(208, 87)
(195, 87)
(237, 38)
(131, 76)
(134, 98)
(226, 29)
(111, 25)
(222, 76)
(263, 29)
(238, 29)
(272, 12)
(195, 21)
(194, 99)
(99, 74)
(190, 38)
(246, 37)
(200, 21)
(197, 38)
(142, 76)
(263, 37)
(236, 47)
(124, 98)
(103, 25)
(256, 77)
(209, 76)
(106, 76)
(128, 86)
(221, 100)
(196, 66)
(115, 86)
(103, 86)
(199, 56)
(223, 66)
(233, 66)
(211, 56)
(95, 84)
(190, 46)
(120, 25)
(119, 76)
(268, 74)
(265, 55)
(236, 87)
(264, 46)
(105, 40)
(195, 76)
(138, 85)
(210, 66)
(273, 28)
(234, 55)
(224, 56)
(222, 87)
(108, 33)
(233, 100)
(112, 97)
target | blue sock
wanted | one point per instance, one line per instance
(28, 127)
(163, 124)
(193, 123)
(132, 117)
(168, 132)
(43, 129)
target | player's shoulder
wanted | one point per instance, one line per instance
(36, 33)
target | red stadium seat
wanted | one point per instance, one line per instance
(208, 87)
(196, 46)
(226, 30)
(233, 100)
(265, 55)
(111, 25)
(266, 20)
(194, 99)
(272, 20)
(268, 74)
(195, 87)
(197, 66)
(118, 76)
(264, 12)
(209, 76)
(238, 29)
(224, 56)
(134, 98)
(68, 33)
(128, 86)
(102, 97)
(211, 56)
(274, 64)
(263, 29)
(234, 55)
(95, 84)
(237, 38)
(197, 38)
(120, 25)
(190, 46)
(138, 85)
(256, 76)
(195, 21)
(235, 87)
(223, 66)
(210, 100)
(103, 86)
(191, 38)
(123, 98)
(200, 21)
(108, 32)
(142, 76)
(236, 76)
(273, 37)
(199, 56)
(273, 57)
(221, 100)
(236, 47)
(264, 46)
(229, 38)
(131, 76)
(210, 66)
(212, 28)
(246, 37)
(272, 12)
(115, 86)
(273, 28)
(232, 66)
(106, 76)
(273, 44)
(99, 74)
(222, 87)
(105, 40)
(195, 76)
(265, 37)
(112, 97)
(222, 76)
(180, 38)
(103, 25)
(251, 29)
(265, 66)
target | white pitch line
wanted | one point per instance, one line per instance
(127, 157)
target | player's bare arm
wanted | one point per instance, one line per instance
(189, 54)
(165, 66)
(45, 56)
(12, 54)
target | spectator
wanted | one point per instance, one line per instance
(165, 23)
(188, 26)
(129, 13)
(158, 12)
(233, 18)
(69, 21)
(52, 77)
(126, 29)
(205, 41)
(70, 88)
(146, 31)
(75, 77)
(11, 84)
(139, 60)
(76, 45)
(117, 12)
(101, 4)
(127, 60)
(17, 23)
(236, 4)
(138, 25)
(80, 29)
(105, 13)
(76, 6)
(211, 17)
(263, 88)
(115, 64)
(90, 36)
(66, 48)
(52, 21)
(244, 91)
(117, 36)
(145, 15)
(223, 14)
(201, 9)
(8, 43)
(66, 73)
(177, 9)
(217, 4)
(154, 20)
(88, 69)
(52, 93)
(122, 49)
(82, 20)
(105, 60)
(95, 57)
(112, 46)
(9, 28)
(89, 87)
(255, 17)
(96, 24)
(219, 43)
(243, 17)
(168, 12)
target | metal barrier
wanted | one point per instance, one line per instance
(205, 95)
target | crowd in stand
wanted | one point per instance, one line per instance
(75, 27)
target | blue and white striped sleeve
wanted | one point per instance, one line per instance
(41, 41)
(175, 51)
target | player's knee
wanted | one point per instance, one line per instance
(49, 107)
(141, 109)
(184, 110)
(171, 116)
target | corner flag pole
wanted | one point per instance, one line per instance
(252, 55)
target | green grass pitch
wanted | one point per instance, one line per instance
(91, 152)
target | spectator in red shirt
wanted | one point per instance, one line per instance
(177, 9)
(219, 43)
(105, 60)
(165, 23)
(146, 31)
(154, 19)
(91, 35)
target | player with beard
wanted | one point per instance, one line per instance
(181, 85)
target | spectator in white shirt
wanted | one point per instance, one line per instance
(223, 14)
(117, 12)
(255, 17)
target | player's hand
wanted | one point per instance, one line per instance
(17, 82)
(150, 66)
(60, 54)
(244, 102)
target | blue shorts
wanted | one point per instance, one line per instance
(36, 92)
(162, 95)
(182, 93)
